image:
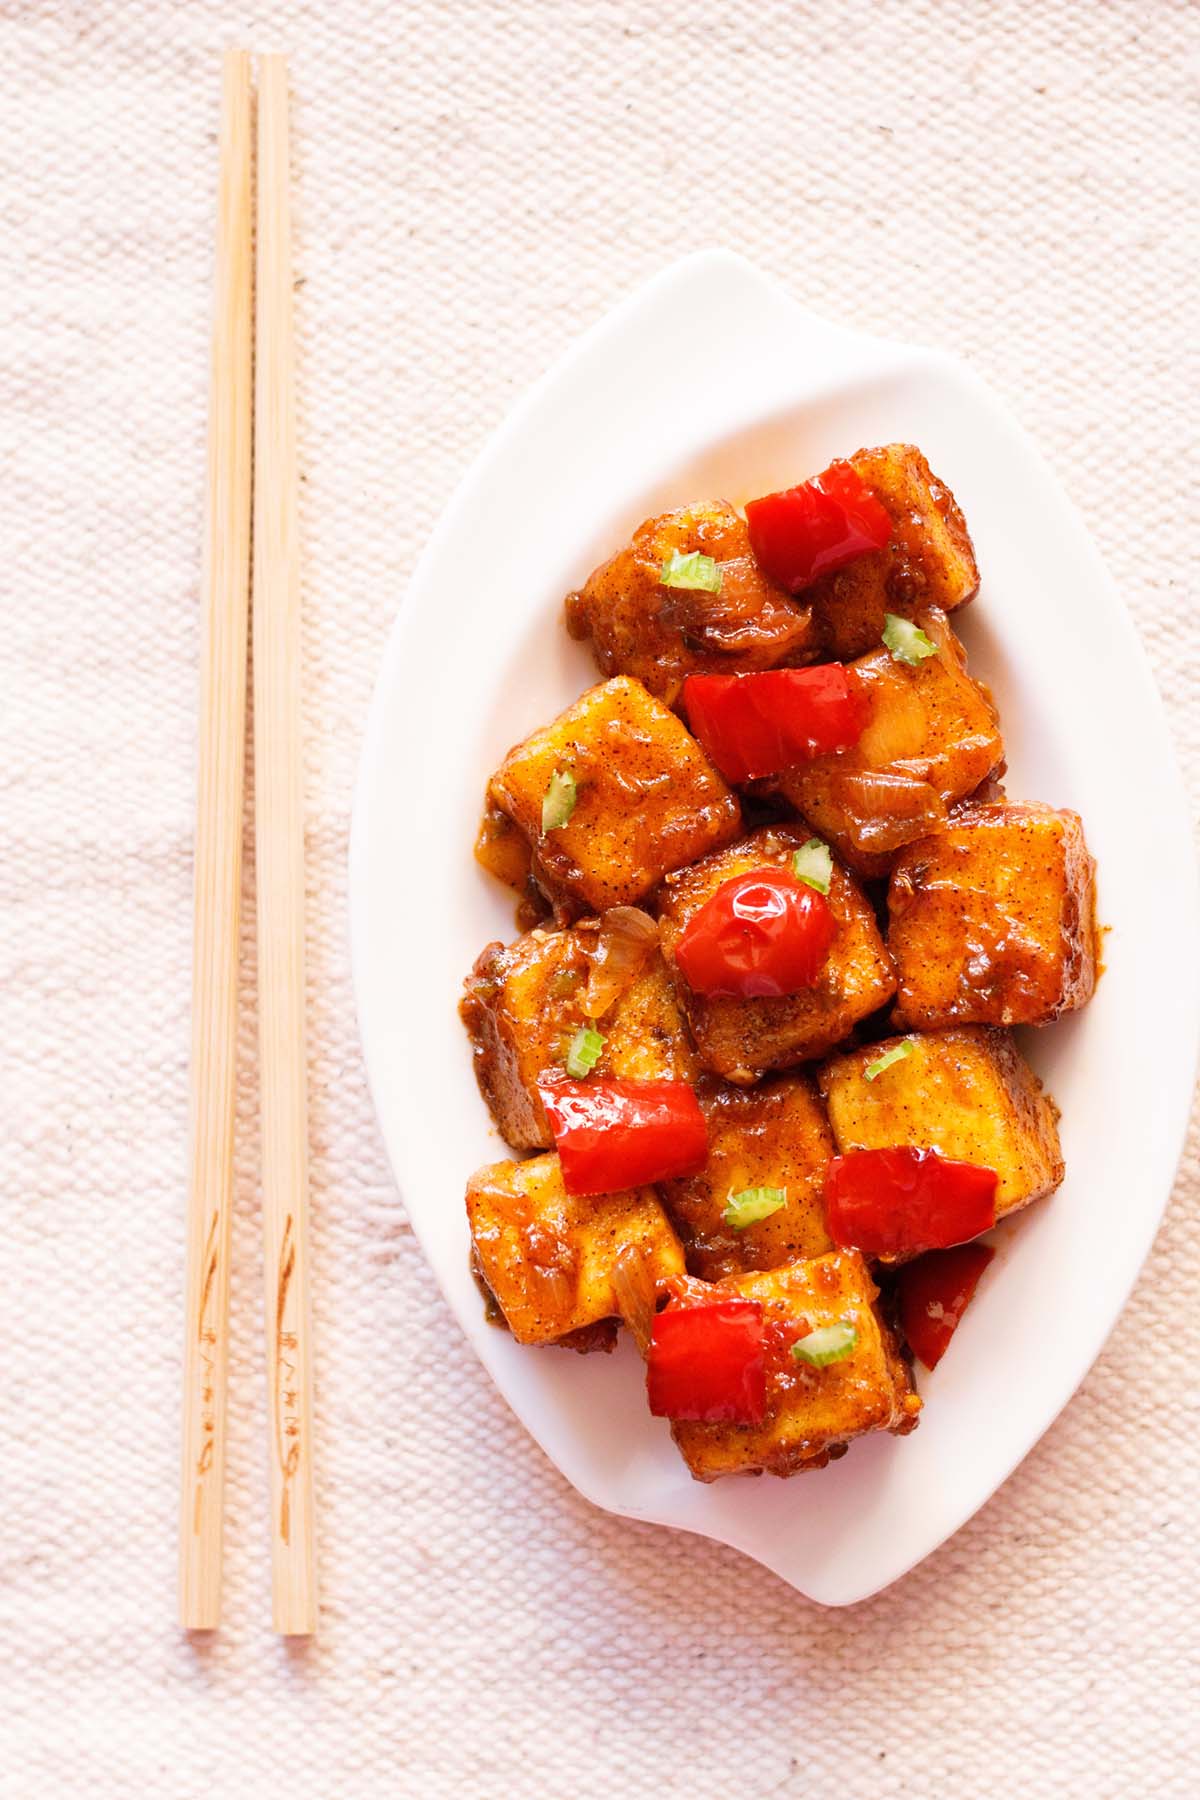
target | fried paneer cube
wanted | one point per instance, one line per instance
(992, 919)
(966, 1092)
(932, 738)
(647, 799)
(930, 560)
(773, 1135)
(548, 1256)
(523, 1004)
(645, 1038)
(503, 849)
(811, 1413)
(639, 626)
(743, 1039)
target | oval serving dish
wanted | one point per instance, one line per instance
(712, 382)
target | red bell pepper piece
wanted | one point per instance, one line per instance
(754, 725)
(707, 1362)
(614, 1134)
(934, 1292)
(899, 1202)
(807, 531)
(761, 934)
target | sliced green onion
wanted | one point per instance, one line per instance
(584, 1051)
(896, 1054)
(828, 1344)
(813, 864)
(691, 569)
(753, 1204)
(906, 641)
(559, 801)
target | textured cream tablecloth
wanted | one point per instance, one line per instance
(475, 184)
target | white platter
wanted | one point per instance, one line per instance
(712, 382)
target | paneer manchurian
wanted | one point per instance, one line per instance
(781, 918)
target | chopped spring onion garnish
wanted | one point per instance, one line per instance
(896, 1054)
(906, 641)
(813, 864)
(691, 570)
(828, 1344)
(753, 1204)
(584, 1052)
(559, 801)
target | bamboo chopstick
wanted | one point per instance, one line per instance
(218, 872)
(279, 843)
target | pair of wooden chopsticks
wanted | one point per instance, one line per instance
(279, 845)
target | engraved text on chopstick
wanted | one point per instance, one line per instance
(206, 1334)
(287, 1418)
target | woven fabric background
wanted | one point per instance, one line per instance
(474, 184)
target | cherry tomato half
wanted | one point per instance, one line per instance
(761, 935)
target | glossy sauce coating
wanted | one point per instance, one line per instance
(522, 1006)
(660, 634)
(967, 1092)
(772, 1135)
(811, 1413)
(992, 919)
(929, 560)
(589, 1339)
(548, 1257)
(648, 800)
(742, 1039)
(934, 735)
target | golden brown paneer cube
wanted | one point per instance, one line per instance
(742, 1039)
(929, 561)
(774, 1135)
(992, 919)
(932, 738)
(966, 1092)
(523, 1004)
(503, 849)
(548, 1256)
(640, 626)
(646, 798)
(811, 1413)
